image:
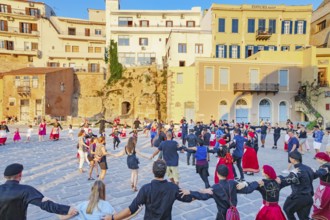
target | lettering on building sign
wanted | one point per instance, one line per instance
(263, 7)
(323, 62)
(327, 94)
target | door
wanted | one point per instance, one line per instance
(265, 110)
(254, 78)
(189, 113)
(25, 110)
(283, 112)
(242, 111)
(38, 107)
(223, 110)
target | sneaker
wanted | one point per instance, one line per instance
(285, 171)
(236, 178)
(241, 180)
(262, 146)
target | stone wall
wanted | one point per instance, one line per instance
(10, 62)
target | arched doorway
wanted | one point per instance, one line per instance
(242, 111)
(125, 108)
(283, 112)
(223, 110)
(265, 110)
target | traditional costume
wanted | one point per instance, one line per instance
(17, 136)
(123, 132)
(270, 192)
(250, 159)
(225, 158)
(3, 132)
(321, 206)
(42, 128)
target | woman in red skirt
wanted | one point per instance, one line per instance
(225, 158)
(321, 206)
(250, 159)
(270, 192)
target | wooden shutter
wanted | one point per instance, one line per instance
(98, 68)
(21, 27)
(5, 25)
(6, 44)
(34, 27)
(87, 32)
(89, 67)
(27, 11)
(9, 8)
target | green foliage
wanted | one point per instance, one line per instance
(116, 69)
(310, 125)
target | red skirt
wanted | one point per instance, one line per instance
(250, 160)
(179, 134)
(321, 206)
(285, 147)
(230, 168)
(270, 211)
(123, 135)
(3, 140)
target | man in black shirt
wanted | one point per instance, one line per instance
(192, 142)
(102, 123)
(15, 198)
(157, 196)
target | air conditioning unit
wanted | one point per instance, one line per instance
(138, 15)
(31, 4)
(182, 16)
(27, 48)
(143, 48)
(164, 16)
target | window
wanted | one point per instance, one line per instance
(222, 25)
(272, 48)
(3, 25)
(26, 81)
(12, 101)
(17, 81)
(30, 59)
(72, 31)
(93, 67)
(262, 25)
(182, 48)
(190, 23)
(224, 73)
(9, 45)
(182, 63)
(144, 23)
(87, 32)
(125, 21)
(221, 51)
(53, 64)
(283, 78)
(298, 47)
(34, 12)
(90, 49)
(198, 48)
(286, 27)
(75, 49)
(179, 78)
(98, 32)
(34, 46)
(126, 58)
(35, 81)
(146, 58)
(97, 50)
(62, 87)
(300, 27)
(169, 23)
(123, 40)
(67, 48)
(234, 26)
(234, 51)
(251, 25)
(322, 25)
(208, 75)
(4, 9)
(260, 48)
(272, 26)
(285, 48)
(25, 28)
(143, 41)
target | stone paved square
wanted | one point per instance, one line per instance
(52, 168)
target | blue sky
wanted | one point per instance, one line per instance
(78, 8)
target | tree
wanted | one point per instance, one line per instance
(116, 68)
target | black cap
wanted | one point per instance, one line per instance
(296, 155)
(316, 126)
(223, 170)
(13, 169)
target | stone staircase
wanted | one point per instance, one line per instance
(303, 105)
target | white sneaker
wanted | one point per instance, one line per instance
(285, 171)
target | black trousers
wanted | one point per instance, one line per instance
(300, 204)
(239, 166)
(188, 158)
(276, 138)
(116, 142)
(204, 173)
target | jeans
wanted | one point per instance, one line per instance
(82, 157)
(188, 158)
(239, 166)
(116, 142)
(276, 138)
(263, 136)
(184, 138)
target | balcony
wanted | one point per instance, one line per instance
(159, 28)
(24, 90)
(263, 33)
(19, 13)
(14, 31)
(256, 88)
(69, 35)
(20, 51)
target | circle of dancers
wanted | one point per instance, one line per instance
(234, 144)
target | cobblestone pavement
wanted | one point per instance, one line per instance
(52, 168)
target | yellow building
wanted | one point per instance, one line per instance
(320, 25)
(240, 31)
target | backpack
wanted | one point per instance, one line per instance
(232, 212)
(201, 153)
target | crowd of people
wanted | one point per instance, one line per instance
(236, 146)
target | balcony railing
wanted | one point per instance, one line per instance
(264, 33)
(24, 90)
(17, 30)
(17, 11)
(86, 69)
(82, 34)
(256, 87)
